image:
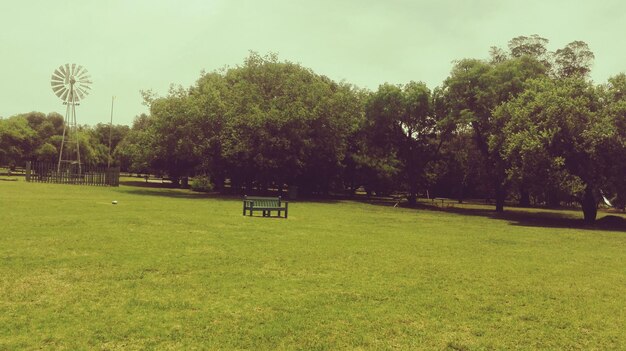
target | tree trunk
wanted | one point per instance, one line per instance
(553, 199)
(590, 205)
(524, 197)
(412, 199)
(412, 196)
(500, 193)
(218, 181)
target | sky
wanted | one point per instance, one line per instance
(134, 45)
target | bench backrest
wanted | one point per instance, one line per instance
(263, 201)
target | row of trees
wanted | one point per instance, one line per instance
(36, 136)
(526, 124)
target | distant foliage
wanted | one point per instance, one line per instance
(35, 136)
(202, 184)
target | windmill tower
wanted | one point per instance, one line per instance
(71, 83)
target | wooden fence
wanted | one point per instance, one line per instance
(41, 172)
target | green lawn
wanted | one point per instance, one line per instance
(169, 269)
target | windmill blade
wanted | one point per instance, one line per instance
(59, 73)
(85, 86)
(57, 76)
(80, 94)
(56, 82)
(64, 96)
(73, 71)
(82, 89)
(58, 88)
(79, 71)
(69, 72)
(59, 91)
(84, 78)
(64, 70)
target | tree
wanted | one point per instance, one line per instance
(133, 152)
(259, 124)
(210, 94)
(459, 171)
(561, 120)
(47, 153)
(532, 46)
(574, 60)
(401, 119)
(100, 135)
(613, 153)
(475, 88)
(174, 136)
(17, 140)
(286, 124)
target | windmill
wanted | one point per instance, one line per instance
(71, 83)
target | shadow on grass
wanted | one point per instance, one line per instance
(527, 217)
(140, 187)
(143, 184)
(179, 194)
(534, 217)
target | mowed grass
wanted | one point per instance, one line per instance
(169, 269)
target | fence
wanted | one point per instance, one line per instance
(41, 172)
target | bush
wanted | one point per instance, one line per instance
(202, 184)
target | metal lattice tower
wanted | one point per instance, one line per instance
(70, 82)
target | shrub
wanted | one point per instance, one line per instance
(202, 184)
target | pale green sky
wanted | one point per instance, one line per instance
(130, 46)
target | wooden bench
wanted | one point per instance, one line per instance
(264, 204)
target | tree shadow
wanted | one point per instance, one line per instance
(536, 217)
(527, 217)
(179, 194)
(143, 184)
(141, 187)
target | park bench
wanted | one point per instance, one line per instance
(264, 204)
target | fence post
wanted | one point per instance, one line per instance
(28, 171)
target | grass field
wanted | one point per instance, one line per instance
(169, 269)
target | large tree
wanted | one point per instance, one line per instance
(561, 121)
(263, 123)
(286, 125)
(475, 88)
